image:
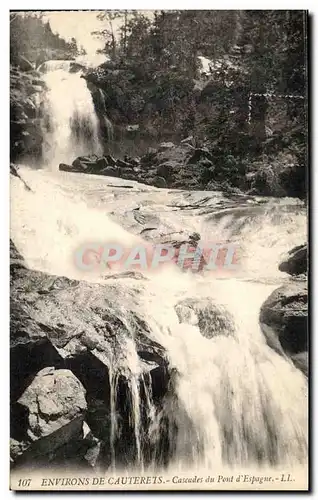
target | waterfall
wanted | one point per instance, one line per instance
(232, 400)
(70, 125)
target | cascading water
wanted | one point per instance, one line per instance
(70, 124)
(233, 400)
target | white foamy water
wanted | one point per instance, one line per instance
(71, 126)
(233, 400)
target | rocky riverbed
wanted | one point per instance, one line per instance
(86, 353)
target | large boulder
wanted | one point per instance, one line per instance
(110, 172)
(284, 320)
(53, 399)
(296, 261)
(159, 182)
(86, 164)
(166, 170)
(24, 64)
(54, 408)
(212, 319)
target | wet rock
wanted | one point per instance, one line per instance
(300, 360)
(86, 164)
(296, 261)
(166, 170)
(101, 163)
(123, 164)
(159, 182)
(24, 64)
(66, 168)
(110, 172)
(129, 175)
(212, 319)
(110, 160)
(284, 317)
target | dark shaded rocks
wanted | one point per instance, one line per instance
(284, 320)
(166, 170)
(110, 160)
(280, 172)
(110, 172)
(212, 319)
(65, 167)
(101, 163)
(25, 127)
(169, 166)
(105, 165)
(124, 164)
(293, 180)
(199, 154)
(69, 345)
(183, 166)
(159, 182)
(52, 411)
(149, 157)
(296, 261)
(24, 64)
(86, 164)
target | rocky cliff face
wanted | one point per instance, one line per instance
(25, 124)
(66, 337)
(284, 315)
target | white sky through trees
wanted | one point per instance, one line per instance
(80, 25)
